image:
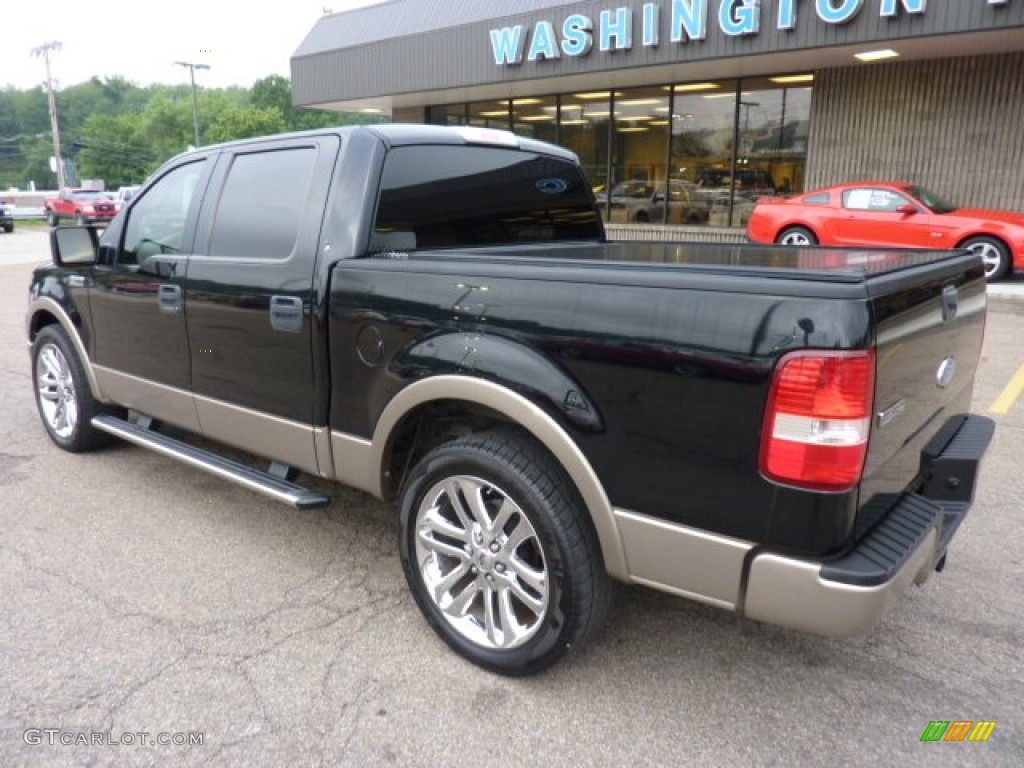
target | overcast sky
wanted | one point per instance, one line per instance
(140, 39)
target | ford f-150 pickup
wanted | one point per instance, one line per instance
(434, 316)
(84, 206)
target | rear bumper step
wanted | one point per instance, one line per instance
(849, 595)
(881, 554)
(253, 479)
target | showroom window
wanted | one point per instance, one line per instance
(586, 119)
(639, 192)
(536, 118)
(447, 114)
(490, 114)
(697, 153)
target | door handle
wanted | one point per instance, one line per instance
(286, 313)
(169, 299)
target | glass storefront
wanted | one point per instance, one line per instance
(683, 154)
(536, 118)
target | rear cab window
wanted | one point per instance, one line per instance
(463, 196)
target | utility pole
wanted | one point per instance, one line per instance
(195, 104)
(44, 52)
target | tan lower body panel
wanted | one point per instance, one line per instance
(355, 463)
(683, 561)
(175, 406)
(791, 593)
(263, 434)
(260, 433)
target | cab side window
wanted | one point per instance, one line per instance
(263, 203)
(156, 224)
(877, 200)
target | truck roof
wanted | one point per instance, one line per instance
(406, 134)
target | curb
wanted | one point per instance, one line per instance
(1011, 304)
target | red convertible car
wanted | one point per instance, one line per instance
(886, 214)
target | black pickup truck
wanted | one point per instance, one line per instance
(434, 316)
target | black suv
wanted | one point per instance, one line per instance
(6, 218)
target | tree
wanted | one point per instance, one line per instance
(165, 125)
(120, 132)
(236, 122)
(108, 150)
(24, 121)
(276, 91)
(109, 96)
(35, 165)
(273, 91)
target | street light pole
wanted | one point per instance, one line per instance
(195, 104)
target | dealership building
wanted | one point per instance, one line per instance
(724, 100)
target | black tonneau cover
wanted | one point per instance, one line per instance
(856, 263)
(849, 265)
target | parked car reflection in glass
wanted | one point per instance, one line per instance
(645, 201)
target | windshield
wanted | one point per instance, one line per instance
(932, 201)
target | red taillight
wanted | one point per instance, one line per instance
(818, 419)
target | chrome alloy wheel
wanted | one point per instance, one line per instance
(482, 562)
(57, 399)
(795, 238)
(990, 255)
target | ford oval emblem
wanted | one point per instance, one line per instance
(552, 186)
(947, 369)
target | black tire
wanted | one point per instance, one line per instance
(63, 398)
(79, 220)
(535, 560)
(799, 236)
(994, 254)
(8, 228)
(52, 218)
(642, 217)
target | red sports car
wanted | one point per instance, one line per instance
(887, 214)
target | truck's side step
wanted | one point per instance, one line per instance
(253, 479)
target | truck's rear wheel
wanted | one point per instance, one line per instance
(499, 554)
(65, 402)
(53, 218)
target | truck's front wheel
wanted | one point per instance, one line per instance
(65, 403)
(499, 554)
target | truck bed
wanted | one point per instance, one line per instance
(673, 347)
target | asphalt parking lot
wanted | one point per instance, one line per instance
(142, 598)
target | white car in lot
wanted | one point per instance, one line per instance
(124, 195)
(644, 201)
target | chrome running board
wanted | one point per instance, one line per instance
(253, 479)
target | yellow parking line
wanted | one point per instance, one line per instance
(1009, 395)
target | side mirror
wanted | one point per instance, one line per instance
(907, 209)
(73, 245)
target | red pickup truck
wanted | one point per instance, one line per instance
(85, 206)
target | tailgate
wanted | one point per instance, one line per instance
(929, 321)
